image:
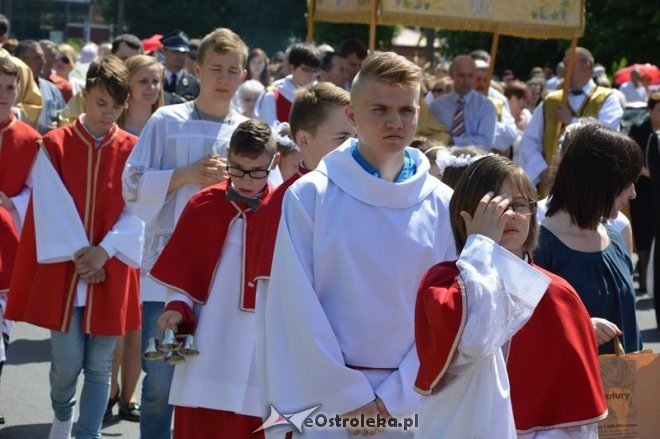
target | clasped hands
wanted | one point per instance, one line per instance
(89, 262)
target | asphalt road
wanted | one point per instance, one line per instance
(24, 391)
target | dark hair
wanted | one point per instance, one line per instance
(130, 40)
(4, 25)
(7, 67)
(264, 78)
(451, 175)
(326, 62)
(597, 165)
(222, 40)
(24, 46)
(516, 88)
(485, 175)
(304, 54)
(252, 138)
(312, 103)
(424, 144)
(653, 100)
(353, 46)
(110, 73)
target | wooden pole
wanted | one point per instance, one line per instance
(570, 65)
(310, 21)
(493, 54)
(372, 26)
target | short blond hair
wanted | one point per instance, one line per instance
(312, 105)
(388, 68)
(222, 40)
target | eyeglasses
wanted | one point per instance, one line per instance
(257, 174)
(523, 207)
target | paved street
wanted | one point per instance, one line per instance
(24, 392)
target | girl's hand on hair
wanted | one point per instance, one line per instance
(490, 217)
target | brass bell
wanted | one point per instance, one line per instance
(173, 358)
(189, 349)
(152, 352)
(169, 342)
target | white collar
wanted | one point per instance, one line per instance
(341, 168)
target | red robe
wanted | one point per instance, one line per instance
(8, 246)
(282, 106)
(18, 148)
(188, 264)
(553, 360)
(553, 364)
(43, 294)
(267, 221)
(190, 258)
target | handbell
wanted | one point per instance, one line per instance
(152, 352)
(169, 342)
(189, 349)
(173, 358)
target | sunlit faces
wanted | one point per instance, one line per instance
(124, 52)
(35, 59)
(175, 60)
(7, 95)
(354, 64)
(244, 183)
(333, 131)
(256, 66)
(289, 164)
(101, 110)
(304, 75)
(384, 115)
(481, 81)
(220, 74)
(620, 201)
(338, 73)
(516, 229)
(463, 72)
(145, 85)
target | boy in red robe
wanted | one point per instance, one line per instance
(18, 146)
(87, 294)
(204, 266)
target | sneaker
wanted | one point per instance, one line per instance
(60, 429)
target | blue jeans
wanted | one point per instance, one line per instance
(155, 412)
(71, 353)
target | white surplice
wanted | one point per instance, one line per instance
(223, 376)
(351, 250)
(174, 137)
(472, 400)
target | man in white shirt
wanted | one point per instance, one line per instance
(586, 99)
(634, 90)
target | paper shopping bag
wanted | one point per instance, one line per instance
(631, 383)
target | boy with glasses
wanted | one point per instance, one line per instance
(209, 293)
(304, 67)
(182, 149)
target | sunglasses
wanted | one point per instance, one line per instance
(65, 60)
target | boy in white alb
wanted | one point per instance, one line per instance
(182, 149)
(355, 236)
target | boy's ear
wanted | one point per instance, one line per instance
(244, 75)
(276, 160)
(350, 115)
(302, 139)
(196, 69)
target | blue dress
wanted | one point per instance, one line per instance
(603, 279)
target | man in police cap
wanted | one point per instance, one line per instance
(179, 85)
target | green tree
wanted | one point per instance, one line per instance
(335, 33)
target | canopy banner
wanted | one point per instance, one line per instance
(520, 18)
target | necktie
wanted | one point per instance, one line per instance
(458, 124)
(252, 203)
(171, 84)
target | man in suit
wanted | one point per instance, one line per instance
(179, 85)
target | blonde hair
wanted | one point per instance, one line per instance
(69, 52)
(134, 64)
(222, 40)
(388, 68)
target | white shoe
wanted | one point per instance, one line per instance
(60, 429)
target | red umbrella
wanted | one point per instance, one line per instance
(152, 43)
(623, 75)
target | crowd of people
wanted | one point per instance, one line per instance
(339, 231)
